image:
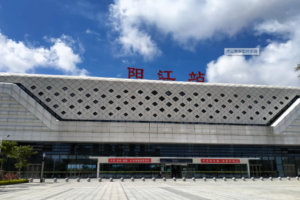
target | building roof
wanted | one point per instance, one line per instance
(92, 98)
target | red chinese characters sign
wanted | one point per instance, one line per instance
(129, 160)
(196, 78)
(221, 161)
(136, 73)
(167, 77)
(163, 75)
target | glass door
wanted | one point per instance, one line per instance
(176, 171)
(255, 170)
(168, 173)
(184, 171)
(75, 170)
(33, 171)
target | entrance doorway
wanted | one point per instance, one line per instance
(178, 171)
(255, 170)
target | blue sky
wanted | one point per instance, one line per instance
(104, 38)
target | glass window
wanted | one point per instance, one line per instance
(60, 155)
(285, 160)
(80, 157)
(278, 161)
(279, 170)
(297, 160)
(291, 160)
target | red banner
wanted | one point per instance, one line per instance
(220, 161)
(129, 160)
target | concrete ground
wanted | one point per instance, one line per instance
(183, 190)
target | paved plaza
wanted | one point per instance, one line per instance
(183, 190)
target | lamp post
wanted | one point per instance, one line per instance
(1, 142)
(42, 169)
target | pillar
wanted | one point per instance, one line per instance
(248, 169)
(98, 166)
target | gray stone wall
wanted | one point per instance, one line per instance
(25, 120)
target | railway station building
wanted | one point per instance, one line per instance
(111, 127)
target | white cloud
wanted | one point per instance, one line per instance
(189, 21)
(88, 31)
(274, 66)
(127, 62)
(94, 33)
(21, 58)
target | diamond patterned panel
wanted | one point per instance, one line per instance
(89, 98)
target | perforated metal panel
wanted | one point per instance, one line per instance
(90, 98)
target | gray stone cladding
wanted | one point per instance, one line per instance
(90, 98)
(24, 119)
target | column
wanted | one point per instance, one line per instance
(248, 169)
(98, 166)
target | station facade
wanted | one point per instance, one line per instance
(108, 127)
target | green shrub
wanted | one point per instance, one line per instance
(13, 182)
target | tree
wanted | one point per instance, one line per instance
(6, 149)
(298, 69)
(20, 154)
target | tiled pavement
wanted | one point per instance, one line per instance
(189, 190)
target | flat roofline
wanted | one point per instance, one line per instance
(145, 81)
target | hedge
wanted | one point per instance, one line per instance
(14, 182)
